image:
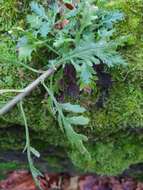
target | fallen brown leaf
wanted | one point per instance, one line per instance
(22, 180)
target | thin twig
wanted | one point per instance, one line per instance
(27, 91)
(10, 90)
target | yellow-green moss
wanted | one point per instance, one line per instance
(6, 167)
(113, 155)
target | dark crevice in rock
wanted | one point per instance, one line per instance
(104, 83)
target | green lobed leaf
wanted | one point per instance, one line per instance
(111, 17)
(78, 120)
(34, 21)
(75, 138)
(86, 75)
(93, 52)
(35, 152)
(25, 52)
(38, 9)
(73, 108)
(44, 29)
(25, 49)
(40, 23)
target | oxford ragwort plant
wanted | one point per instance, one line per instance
(62, 34)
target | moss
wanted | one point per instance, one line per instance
(122, 109)
(13, 138)
(112, 156)
(7, 167)
(54, 162)
(132, 9)
(12, 13)
(138, 175)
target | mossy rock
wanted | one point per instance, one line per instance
(113, 155)
(111, 145)
(110, 155)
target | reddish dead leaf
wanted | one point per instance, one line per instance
(22, 180)
(61, 24)
(69, 6)
(18, 180)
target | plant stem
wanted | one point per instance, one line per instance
(36, 82)
(2, 91)
(28, 149)
(27, 91)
